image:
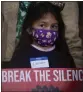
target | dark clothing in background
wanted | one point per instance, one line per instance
(80, 6)
(56, 59)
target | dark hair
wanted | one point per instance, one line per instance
(34, 12)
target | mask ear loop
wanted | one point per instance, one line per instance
(57, 34)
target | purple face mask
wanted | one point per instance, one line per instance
(45, 37)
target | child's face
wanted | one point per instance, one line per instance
(49, 34)
(47, 22)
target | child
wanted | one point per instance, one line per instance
(42, 43)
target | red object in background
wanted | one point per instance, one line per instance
(67, 80)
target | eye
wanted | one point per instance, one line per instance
(42, 25)
(55, 27)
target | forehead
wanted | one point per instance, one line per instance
(50, 18)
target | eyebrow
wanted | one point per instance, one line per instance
(42, 22)
(55, 23)
(46, 22)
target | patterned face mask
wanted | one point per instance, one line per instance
(45, 37)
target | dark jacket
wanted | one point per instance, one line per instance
(21, 59)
